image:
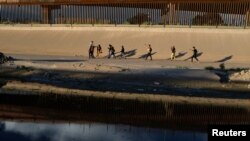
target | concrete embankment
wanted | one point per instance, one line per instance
(136, 109)
(214, 44)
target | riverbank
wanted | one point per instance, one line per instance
(126, 76)
(127, 91)
(42, 103)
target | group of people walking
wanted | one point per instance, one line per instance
(194, 56)
(112, 53)
(92, 50)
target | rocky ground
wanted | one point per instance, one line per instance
(243, 75)
(121, 76)
(4, 58)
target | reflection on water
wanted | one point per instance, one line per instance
(12, 131)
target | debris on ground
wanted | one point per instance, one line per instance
(4, 58)
(243, 75)
(2, 83)
(124, 70)
(157, 83)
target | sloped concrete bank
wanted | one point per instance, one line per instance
(134, 109)
(214, 45)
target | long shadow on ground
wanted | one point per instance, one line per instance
(52, 60)
(179, 55)
(145, 55)
(224, 59)
(129, 53)
(198, 55)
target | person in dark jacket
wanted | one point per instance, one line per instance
(91, 50)
(149, 54)
(123, 52)
(195, 54)
(111, 51)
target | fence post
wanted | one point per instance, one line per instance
(46, 14)
(247, 19)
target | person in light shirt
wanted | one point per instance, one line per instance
(149, 54)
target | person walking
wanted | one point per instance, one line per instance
(123, 52)
(173, 50)
(195, 54)
(99, 50)
(149, 54)
(111, 51)
(91, 50)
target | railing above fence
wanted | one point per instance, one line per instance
(160, 12)
(109, 1)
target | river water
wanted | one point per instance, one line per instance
(28, 131)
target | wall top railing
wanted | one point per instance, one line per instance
(124, 12)
(48, 2)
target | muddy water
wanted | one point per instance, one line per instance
(28, 131)
(78, 118)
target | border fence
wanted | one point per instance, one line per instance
(168, 12)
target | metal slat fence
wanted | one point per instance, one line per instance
(233, 14)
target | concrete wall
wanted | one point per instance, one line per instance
(215, 44)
